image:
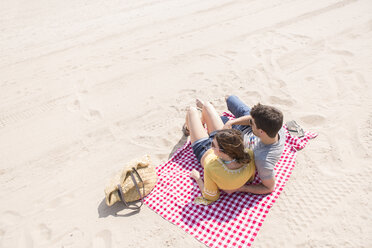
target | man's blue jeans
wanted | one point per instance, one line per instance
(237, 108)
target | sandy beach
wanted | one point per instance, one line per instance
(86, 86)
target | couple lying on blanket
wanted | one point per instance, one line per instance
(231, 150)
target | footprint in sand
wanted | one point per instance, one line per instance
(34, 236)
(197, 75)
(187, 92)
(341, 52)
(231, 53)
(205, 55)
(10, 218)
(102, 239)
(149, 59)
(61, 200)
(74, 106)
(313, 119)
(228, 58)
(98, 136)
(277, 100)
(12, 231)
(92, 115)
(72, 239)
(252, 94)
(25, 239)
(281, 83)
(348, 81)
(43, 232)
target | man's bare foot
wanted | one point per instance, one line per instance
(199, 104)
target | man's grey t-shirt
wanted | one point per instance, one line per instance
(265, 156)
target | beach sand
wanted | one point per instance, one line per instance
(86, 86)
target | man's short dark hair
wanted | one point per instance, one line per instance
(267, 118)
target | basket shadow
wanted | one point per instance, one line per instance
(117, 210)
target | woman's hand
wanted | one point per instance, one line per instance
(195, 175)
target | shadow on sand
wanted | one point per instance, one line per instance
(117, 210)
(181, 142)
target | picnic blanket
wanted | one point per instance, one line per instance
(235, 219)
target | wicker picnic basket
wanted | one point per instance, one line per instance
(133, 183)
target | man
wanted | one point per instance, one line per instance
(263, 133)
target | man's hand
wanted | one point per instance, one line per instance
(232, 191)
(227, 125)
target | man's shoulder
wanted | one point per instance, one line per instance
(268, 156)
(265, 162)
(282, 136)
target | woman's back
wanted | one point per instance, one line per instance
(225, 178)
(218, 176)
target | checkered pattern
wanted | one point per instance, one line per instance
(234, 220)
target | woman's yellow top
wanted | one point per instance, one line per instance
(217, 176)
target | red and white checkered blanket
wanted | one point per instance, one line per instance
(234, 220)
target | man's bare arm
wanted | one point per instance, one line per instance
(267, 186)
(243, 120)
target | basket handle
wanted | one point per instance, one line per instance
(121, 195)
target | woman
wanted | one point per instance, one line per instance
(227, 166)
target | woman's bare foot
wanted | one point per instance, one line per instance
(185, 130)
(199, 104)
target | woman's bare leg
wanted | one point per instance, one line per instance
(211, 118)
(195, 126)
